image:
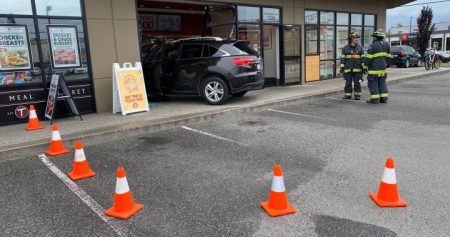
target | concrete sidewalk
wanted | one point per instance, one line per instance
(179, 111)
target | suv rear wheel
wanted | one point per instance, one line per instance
(215, 90)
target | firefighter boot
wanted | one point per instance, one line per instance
(373, 101)
(383, 100)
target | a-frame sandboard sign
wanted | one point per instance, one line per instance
(129, 93)
(57, 83)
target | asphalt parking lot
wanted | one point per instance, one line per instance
(208, 179)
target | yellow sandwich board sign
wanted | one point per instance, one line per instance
(129, 94)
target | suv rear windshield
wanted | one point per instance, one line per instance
(238, 48)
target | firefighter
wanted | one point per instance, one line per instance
(352, 66)
(376, 62)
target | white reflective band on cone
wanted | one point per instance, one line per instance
(278, 184)
(79, 155)
(389, 176)
(56, 136)
(122, 186)
(33, 114)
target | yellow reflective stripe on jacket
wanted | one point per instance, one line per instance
(341, 65)
(380, 54)
(383, 95)
(377, 96)
(353, 70)
(379, 73)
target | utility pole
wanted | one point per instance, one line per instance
(410, 20)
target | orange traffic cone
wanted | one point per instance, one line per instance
(81, 168)
(123, 206)
(56, 144)
(387, 195)
(278, 203)
(33, 121)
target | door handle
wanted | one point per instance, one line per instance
(199, 63)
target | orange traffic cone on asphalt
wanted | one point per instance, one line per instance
(81, 168)
(387, 195)
(56, 144)
(33, 120)
(278, 203)
(123, 206)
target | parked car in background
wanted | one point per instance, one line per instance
(214, 68)
(405, 56)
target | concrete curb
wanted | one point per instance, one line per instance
(103, 134)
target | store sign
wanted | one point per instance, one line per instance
(14, 48)
(129, 94)
(148, 22)
(21, 112)
(271, 15)
(170, 23)
(63, 42)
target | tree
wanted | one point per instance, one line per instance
(426, 28)
(399, 25)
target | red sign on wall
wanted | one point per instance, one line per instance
(148, 22)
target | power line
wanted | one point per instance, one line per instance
(427, 3)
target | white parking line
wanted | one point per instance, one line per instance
(292, 113)
(88, 200)
(334, 98)
(212, 135)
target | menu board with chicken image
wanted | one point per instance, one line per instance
(63, 41)
(14, 48)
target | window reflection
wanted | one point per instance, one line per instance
(251, 33)
(356, 19)
(326, 42)
(311, 40)
(248, 14)
(369, 20)
(17, 78)
(18, 7)
(327, 18)
(342, 18)
(58, 7)
(311, 17)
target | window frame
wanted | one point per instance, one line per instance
(336, 25)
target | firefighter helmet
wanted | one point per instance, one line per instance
(378, 33)
(354, 35)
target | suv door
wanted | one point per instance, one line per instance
(167, 67)
(189, 67)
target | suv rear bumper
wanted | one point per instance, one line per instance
(247, 82)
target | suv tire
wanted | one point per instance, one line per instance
(407, 64)
(240, 94)
(215, 90)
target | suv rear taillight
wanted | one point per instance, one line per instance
(244, 61)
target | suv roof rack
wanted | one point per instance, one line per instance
(199, 39)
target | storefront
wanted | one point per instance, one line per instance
(28, 61)
(299, 41)
(260, 25)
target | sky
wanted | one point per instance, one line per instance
(402, 14)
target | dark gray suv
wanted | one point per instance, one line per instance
(212, 67)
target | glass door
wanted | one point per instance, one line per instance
(292, 54)
(271, 54)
